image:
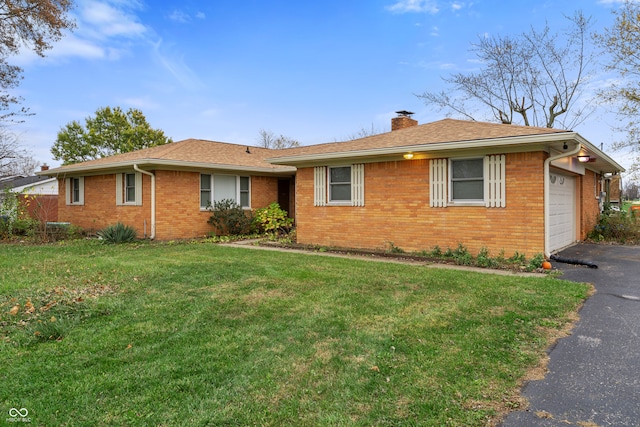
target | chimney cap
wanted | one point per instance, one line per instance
(404, 113)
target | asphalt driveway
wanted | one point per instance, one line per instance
(594, 374)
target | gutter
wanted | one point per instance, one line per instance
(547, 162)
(153, 199)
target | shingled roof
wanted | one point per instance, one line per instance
(189, 153)
(442, 131)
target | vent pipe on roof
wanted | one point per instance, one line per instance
(403, 120)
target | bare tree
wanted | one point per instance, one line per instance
(621, 43)
(14, 160)
(364, 132)
(534, 79)
(268, 139)
(34, 24)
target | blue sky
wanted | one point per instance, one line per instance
(315, 71)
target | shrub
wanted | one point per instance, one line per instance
(230, 219)
(535, 262)
(621, 227)
(273, 219)
(117, 233)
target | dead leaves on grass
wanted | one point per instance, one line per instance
(34, 312)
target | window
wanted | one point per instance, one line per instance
(129, 189)
(340, 184)
(205, 191)
(215, 188)
(467, 180)
(476, 182)
(75, 191)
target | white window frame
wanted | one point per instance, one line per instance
(322, 186)
(239, 191)
(70, 184)
(451, 180)
(121, 189)
(330, 184)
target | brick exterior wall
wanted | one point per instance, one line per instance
(178, 213)
(397, 212)
(41, 207)
(588, 189)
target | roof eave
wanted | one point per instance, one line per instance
(543, 141)
(79, 168)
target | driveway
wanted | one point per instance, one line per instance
(594, 374)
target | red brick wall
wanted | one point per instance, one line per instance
(178, 213)
(397, 212)
(41, 207)
(590, 209)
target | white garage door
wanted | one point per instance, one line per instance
(562, 211)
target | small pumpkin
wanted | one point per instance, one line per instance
(546, 265)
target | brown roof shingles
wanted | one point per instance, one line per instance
(442, 131)
(188, 151)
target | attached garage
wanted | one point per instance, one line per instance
(562, 211)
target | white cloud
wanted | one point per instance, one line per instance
(179, 16)
(101, 19)
(201, 15)
(414, 6)
(176, 66)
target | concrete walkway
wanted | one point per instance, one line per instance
(594, 374)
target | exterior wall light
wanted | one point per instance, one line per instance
(584, 158)
(408, 156)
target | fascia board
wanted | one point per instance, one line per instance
(163, 164)
(541, 140)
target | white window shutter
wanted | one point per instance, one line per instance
(320, 186)
(494, 181)
(357, 185)
(138, 189)
(438, 183)
(81, 188)
(119, 190)
(67, 194)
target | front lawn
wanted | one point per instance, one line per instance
(199, 334)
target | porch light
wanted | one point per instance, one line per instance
(584, 158)
(408, 156)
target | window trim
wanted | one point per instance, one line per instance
(121, 189)
(211, 189)
(341, 202)
(70, 191)
(451, 180)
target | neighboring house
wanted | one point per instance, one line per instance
(37, 195)
(164, 191)
(501, 187)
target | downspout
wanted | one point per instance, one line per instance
(547, 162)
(153, 199)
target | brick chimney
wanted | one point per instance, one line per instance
(403, 120)
(44, 167)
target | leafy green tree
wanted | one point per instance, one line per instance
(111, 131)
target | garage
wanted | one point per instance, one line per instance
(562, 211)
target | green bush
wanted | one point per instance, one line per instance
(117, 233)
(230, 219)
(621, 227)
(273, 219)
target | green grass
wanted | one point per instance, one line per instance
(198, 334)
